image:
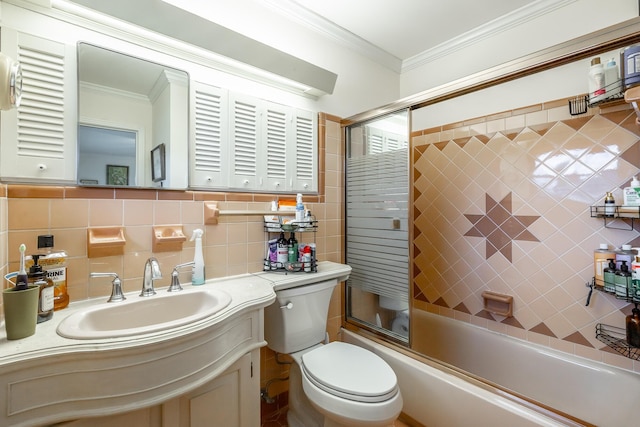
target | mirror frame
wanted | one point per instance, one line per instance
(145, 141)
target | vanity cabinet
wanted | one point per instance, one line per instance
(246, 143)
(39, 138)
(232, 400)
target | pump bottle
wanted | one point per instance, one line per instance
(197, 277)
(609, 276)
(37, 276)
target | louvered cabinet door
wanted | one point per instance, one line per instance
(276, 135)
(244, 128)
(38, 140)
(303, 164)
(208, 154)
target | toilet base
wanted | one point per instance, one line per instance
(302, 412)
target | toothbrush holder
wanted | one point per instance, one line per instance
(20, 312)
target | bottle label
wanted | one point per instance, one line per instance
(46, 299)
(58, 276)
(283, 253)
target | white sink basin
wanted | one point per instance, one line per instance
(140, 315)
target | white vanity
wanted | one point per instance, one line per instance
(202, 373)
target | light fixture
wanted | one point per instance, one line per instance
(10, 83)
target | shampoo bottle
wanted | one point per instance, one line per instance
(597, 90)
(633, 327)
(631, 194)
(600, 257)
(609, 276)
(623, 281)
(612, 81)
(292, 248)
(627, 254)
(38, 277)
(197, 277)
(282, 255)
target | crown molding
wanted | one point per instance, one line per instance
(296, 12)
(483, 32)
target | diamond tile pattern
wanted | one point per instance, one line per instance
(508, 211)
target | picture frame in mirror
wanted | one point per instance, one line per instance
(158, 163)
(117, 175)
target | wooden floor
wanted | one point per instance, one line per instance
(280, 420)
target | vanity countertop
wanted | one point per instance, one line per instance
(246, 291)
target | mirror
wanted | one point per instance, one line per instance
(128, 107)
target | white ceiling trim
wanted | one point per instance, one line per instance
(483, 32)
(296, 12)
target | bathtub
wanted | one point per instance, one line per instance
(437, 396)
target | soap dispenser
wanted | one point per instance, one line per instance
(609, 275)
(197, 277)
(623, 281)
(38, 277)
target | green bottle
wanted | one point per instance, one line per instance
(292, 246)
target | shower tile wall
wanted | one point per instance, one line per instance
(501, 203)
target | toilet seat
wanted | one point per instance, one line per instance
(350, 372)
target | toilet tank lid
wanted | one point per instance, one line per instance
(350, 369)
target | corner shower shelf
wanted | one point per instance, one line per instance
(277, 225)
(616, 339)
(609, 214)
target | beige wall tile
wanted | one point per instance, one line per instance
(105, 213)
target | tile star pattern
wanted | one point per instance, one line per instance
(500, 227)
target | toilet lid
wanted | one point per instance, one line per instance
(350, 372)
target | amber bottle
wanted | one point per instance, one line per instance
(633, 327)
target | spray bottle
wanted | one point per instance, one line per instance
(197, 277)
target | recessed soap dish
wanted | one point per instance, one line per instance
(499, 304)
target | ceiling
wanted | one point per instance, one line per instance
(407, 28)
(394, 33)
(398, 34)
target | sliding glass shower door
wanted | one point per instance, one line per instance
(377, 244)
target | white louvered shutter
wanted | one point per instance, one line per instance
(305, 150)
(39, 138)
(245, 131)
(276, 127)
(209, 127)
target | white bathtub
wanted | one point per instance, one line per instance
(434, 396)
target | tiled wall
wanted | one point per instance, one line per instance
(501, 203)
(234, 246)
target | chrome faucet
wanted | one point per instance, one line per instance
(175, 280)
(151, 273)
(116, 288)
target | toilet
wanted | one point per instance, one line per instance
(330, 384)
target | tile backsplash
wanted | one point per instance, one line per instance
(236, 245)
(501, 203)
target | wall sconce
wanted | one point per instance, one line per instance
(10, 83)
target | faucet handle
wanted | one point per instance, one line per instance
(175, 281)
(116, 288)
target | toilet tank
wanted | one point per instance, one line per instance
(298, 317)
